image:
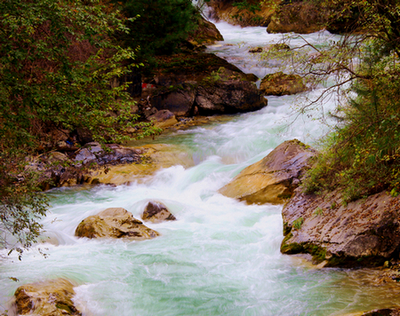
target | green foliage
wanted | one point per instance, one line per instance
(57, 61)
(298, 223)
(362, 156)
(21, 204)
(159, 25)
(244, 5)
(318, 211)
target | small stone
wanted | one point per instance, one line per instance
(157, 212)
(386, 265)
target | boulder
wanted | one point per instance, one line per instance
(362, 233)
(153, 157)
(185, 68)
(178, 99)
(225, 90)
(50, 298)
(274, 178)
(89, 153)
(302, 17)
(226, 97)
(163, 119)
(114, 223)
(205, 33)
(157, 212)
(282, 84)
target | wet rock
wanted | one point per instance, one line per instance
(361, 233)
(114, 223)
(205, 33)
(226, 97)
(50, 298)
(157, 212)
(224, 91)
(152, 158)
(274, 178)
(282, 84)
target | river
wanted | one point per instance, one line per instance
(221, 257)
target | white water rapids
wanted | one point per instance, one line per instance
(221, 257)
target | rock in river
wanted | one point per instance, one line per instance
(50, 298)
(114, 223)
(272, 179)
(282, 84)
(362, 233)
(157, 212)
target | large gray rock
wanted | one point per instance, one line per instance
(230, 96)
(219, 96)
(272, 179)
(205, 33)
(178, 100)
(114, 223)
(50, 298)
(362, 233)
(203, 84)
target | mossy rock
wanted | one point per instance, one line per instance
(282, 84)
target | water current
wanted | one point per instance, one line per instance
(221, 257)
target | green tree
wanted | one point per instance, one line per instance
(362, 155)
(159, 26)
(57, 60)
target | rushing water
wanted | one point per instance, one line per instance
(221, 257)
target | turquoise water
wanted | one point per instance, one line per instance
(221, 257)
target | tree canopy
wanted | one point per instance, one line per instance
(57, 60)
(159, 26)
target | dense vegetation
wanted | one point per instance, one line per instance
(58, 60)
(159, 26)
(362, 155)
